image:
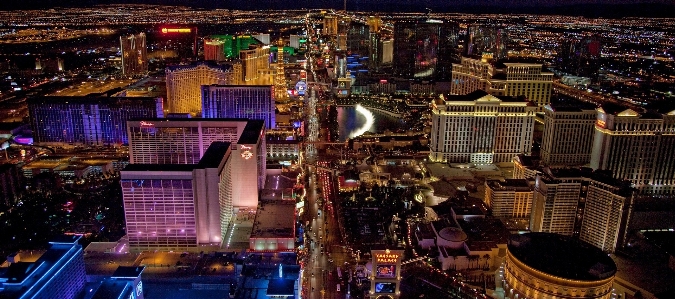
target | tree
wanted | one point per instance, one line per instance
(487, 260)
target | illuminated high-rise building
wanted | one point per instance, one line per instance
(637, 145)
(58, 273)
(88, 120)
(374, 23)
(579, 202)
(483, 40)
(510, 198)
(214, 49)
(357, 39)
(134, 55)
(480, 128)
(199, 168)
(177, 206)
(280, 88)
(184, 85)
(178, 140)
(330, 25)
(568, 134)
(510, 79)
(580, 57)
(255, 62)
(425, 48)
(239, 101)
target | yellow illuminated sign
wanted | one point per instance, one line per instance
(387, 258)
(176, 30)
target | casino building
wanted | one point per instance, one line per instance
(184, 197)
(239, 101)
(88, 120)
(552, 266)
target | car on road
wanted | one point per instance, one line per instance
(330, 260)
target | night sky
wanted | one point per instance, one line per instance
(570, 7)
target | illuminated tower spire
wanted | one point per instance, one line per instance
(280, 93)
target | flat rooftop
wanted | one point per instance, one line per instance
(273, 219)
(562, 256)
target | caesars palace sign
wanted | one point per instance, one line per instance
(388, 258)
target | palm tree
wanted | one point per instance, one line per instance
(487, 260)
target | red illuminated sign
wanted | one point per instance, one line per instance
(147, 124)
(600, 123)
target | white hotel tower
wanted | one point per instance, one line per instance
(481, 128)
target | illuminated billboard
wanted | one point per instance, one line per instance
(385, 287)
(301, 87)
(176, 30)
(386, 271)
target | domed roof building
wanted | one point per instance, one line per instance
(552, 266)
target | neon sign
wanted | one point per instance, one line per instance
(176, 30)
(246, 155)
(386, 258)
(600, 123)
(246, 147)
(147, 124)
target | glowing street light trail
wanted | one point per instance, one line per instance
(370, 120)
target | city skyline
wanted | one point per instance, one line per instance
(275, 153)
(591, 8)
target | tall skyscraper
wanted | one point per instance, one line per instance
(178, 206)
(480, 128)
(184, 85)
(484, 40)
(510, 79)
(330, 25)
(280, 87)
(637, 146)
(580, 57)
(88, 120)
(58, 273)
(568, 134)
(255, 62)
(579, 202)
(214, 49)
(239, 101)
(425, 49)
(134, 55)
(357, 39)
(171, 170)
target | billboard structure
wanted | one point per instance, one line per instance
(386, 277)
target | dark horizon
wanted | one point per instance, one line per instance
(587, 8)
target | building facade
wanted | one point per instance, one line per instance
(579, 202)
(533, 268)
(184, 83)
(178, 206)
(483, 40)
(58, 273)
(214, 49)
(178, 141)
(509, 199)
(637, 146)
(134, 55)
(88, 120)
(239, 101)
(509, 79)
(568, 135)
(425, 49)
(480, 128)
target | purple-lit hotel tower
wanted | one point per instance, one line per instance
(186, 177)
(88, 120)
(58, 273)
(239, 101)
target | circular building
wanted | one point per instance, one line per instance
(552, 266)
(452, 237)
